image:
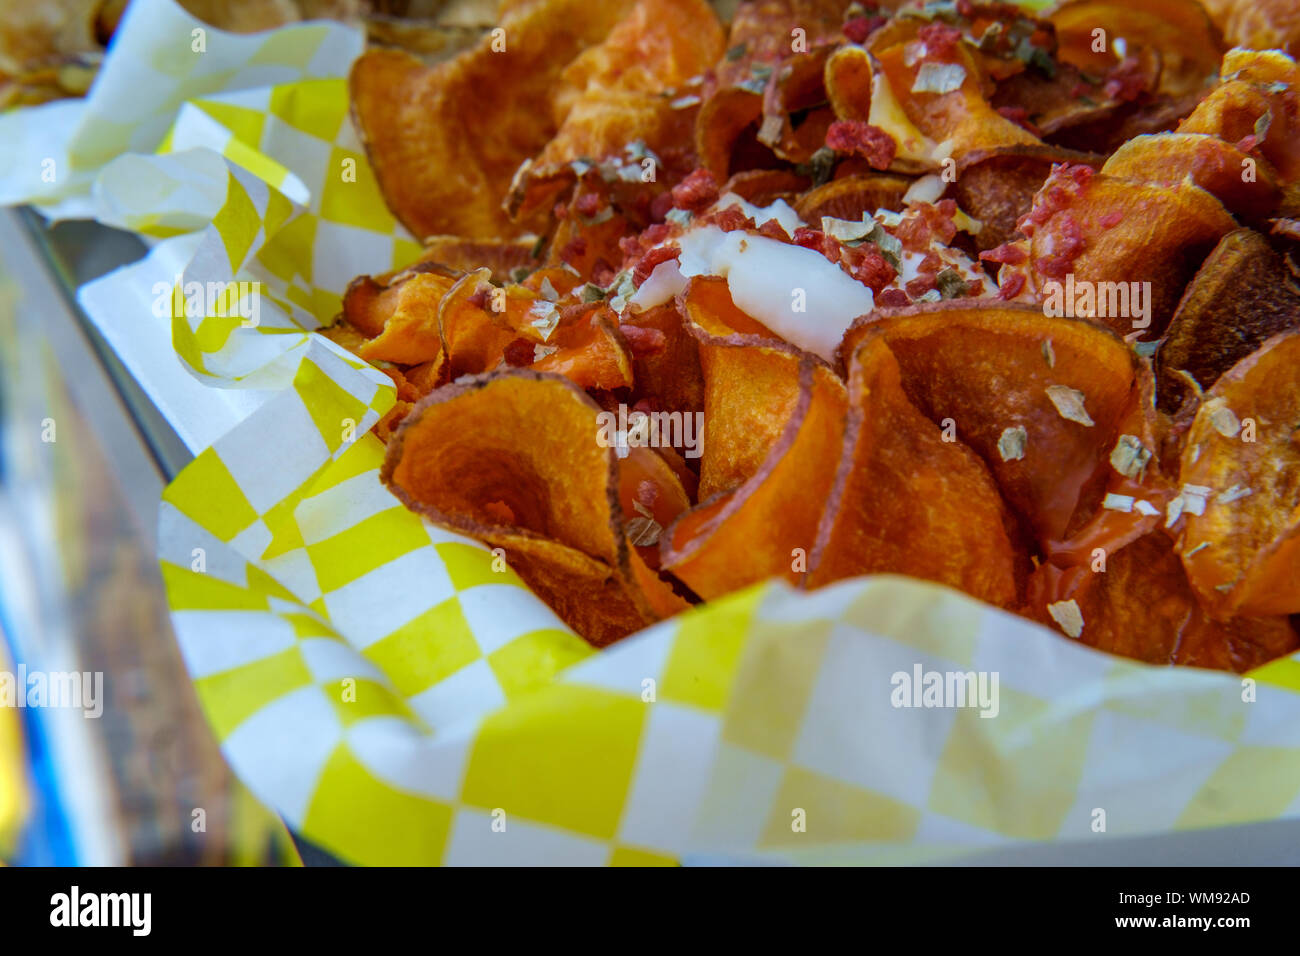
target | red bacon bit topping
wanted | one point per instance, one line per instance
(602, 273)
(939, 39)
(1127, 81)
(660, 205)
(573, 251)
(729, 219)
(647, 493)
(588, 204)
(816, 239)
(1247, 142)
(856, 138)
(1009, 252)
(1062, 186)
(1067, 243)
(892, 299)
(697, 191)
(478, 299)
(652, 259)
(868, 266)
(919, 286)
(774, 230)
(859, 28)
(1020, 116)
(926, 223)
(643, 341)
(1011, 286)
(519, 353)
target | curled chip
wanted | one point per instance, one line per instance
(405, 315)
(997, 186)
(610, 96)
(977, 368)
(1209, 162)
(1242, 295)
(512, 459)
(1116, 249)
(751, 385)
(502, 257)
(1241, 547)
(1177, 34)
(905, 501)
(1138, 604)
(853, 196)
(445, 140)
(766, 526)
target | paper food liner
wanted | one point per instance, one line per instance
(400, 699)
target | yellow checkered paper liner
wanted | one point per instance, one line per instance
(399, 697)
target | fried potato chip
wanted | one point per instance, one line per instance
(766, 526)
(611, 96)
(906, 501)
(503, 257)
(1258, 24)
(762, 187)
(1039, 399)
(1106, 235)
(1242, 295)
(590, 352)
(1141, 606)
(410, 331)
(445, 140)
(513, 459)
(474, 333)
(997, 186)
(669, 378)
(850, 197)
(1180, 32)
(750, 385)
(1241, 487)
(1209, 162)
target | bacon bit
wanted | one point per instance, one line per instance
(1068, 243)
(1112, 219)
(1009, 252)
(1248, 142)
(573, 251)
(643, 341)
(930, 265)
(651, 259)
(660, 205)
(478, 299)
(519, 353)
(856, 138)
(1020, 116)
(859, 28)
(892, 299)
(939, 39)
(588, 204)
(560, 211)
(1064, 184)
(920, 286)
(697, 191)
(774, 230)
(729, 219)
(868, 266)
(974, 289)
(1126, 82)
(1011, 286)
(925, 223)
(647, 493)
(602, 273)
(816, 239)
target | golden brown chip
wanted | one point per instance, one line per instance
(907, 502)
(445, 140)
(766, 527)
(983, 370)
(503, 257)
(410, 332)
(669, 378)
(851, 196)
(1241, 487)
(1242, 295)
(1140, 605)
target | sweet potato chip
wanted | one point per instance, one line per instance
(1141, 606)
(850, 197)
(445, 140)
(762, 187)
(502, 257)
(1209, 162)
(1241, 487)
(905, 501)
(1258, 24)
(1242, 295)
(1116, 240)
(592, 354)
(513, 459)
(985, 370)
(670, 378)
(410, 332)
(474, 333)
(611, 96)
(766, 527)
(1178, 31)
(997, 186)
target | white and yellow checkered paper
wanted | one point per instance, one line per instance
(400, 698)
